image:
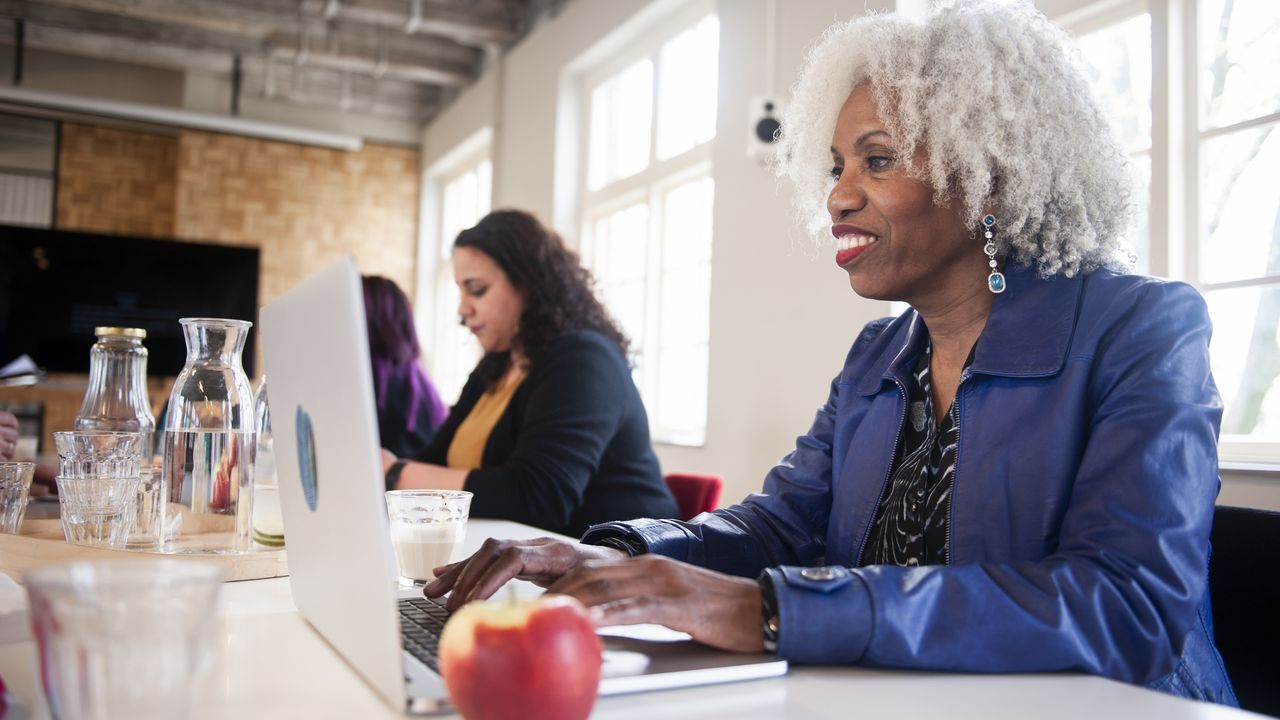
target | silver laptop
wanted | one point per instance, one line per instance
(342, 569)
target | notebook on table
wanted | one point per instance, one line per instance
(328, 460)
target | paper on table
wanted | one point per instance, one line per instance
(21, 371)
(21, 365)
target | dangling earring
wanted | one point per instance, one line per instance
(995, 281)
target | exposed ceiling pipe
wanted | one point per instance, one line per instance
(375, 67)
(415, 18)
(460, 29)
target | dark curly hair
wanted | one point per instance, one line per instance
(557, 291)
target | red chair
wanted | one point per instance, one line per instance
(695, 494)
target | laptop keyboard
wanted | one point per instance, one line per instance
(421, 622)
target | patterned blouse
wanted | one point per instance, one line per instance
(911, 521)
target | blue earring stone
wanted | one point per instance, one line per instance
(995, 282)
(989, 220)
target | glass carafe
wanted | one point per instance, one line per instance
(117, 395)
(209, 442)
(268, 522)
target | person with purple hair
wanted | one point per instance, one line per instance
(409, 408)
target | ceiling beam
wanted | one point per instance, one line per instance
(136, 29)
(396, 97)
(252, 19)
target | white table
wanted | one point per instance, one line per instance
(271, 664)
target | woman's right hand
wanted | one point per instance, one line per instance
(541, 561)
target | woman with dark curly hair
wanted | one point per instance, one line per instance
(549, 429)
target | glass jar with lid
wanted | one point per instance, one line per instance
(116, 398)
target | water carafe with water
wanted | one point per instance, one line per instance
(209, 442)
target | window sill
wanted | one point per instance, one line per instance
(680, 442)
(1250, 467)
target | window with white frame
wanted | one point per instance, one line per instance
(1225, 58)
(463, 199)
(1119, 62)
(646, 208)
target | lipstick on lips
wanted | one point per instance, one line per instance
(851, 241)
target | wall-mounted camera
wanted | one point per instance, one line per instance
(764, 128)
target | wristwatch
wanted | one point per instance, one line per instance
(623, 544)
(768, 612)
(393, 473)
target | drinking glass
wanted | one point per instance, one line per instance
(147, 530)
(123, 638)
(99, 473)
(97, 510)
(15, 482)
(427, 528)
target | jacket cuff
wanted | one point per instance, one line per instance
(659, 537)
(824, 614)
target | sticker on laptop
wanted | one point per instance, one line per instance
(306, 457)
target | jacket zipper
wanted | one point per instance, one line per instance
(902, 419)
(955, 473)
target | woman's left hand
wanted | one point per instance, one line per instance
(8, 435)
(719, 610)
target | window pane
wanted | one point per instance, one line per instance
(633, 112)
(682, 397)
(1119, 65)
(687, 102)
(464, 200)
(621, 116)
(626, 304)
(686, 225)
(598, 152)
(1239, 60)
(686, 297)
(1139, 235)
(620, 247)
(484, 190)
(1246, 361)
(456, 350)
(619, 261)
(1240, 207)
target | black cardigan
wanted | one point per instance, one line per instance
(571, 449)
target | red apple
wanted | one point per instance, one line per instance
(527, 659)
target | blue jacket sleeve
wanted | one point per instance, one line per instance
(783, 525)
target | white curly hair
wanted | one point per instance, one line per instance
(995, 94)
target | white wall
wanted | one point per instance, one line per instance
(782, 315)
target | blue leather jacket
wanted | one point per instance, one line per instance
(1084, 486)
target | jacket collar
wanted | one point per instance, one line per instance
(1027, 334)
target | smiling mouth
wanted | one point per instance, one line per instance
(851, 245)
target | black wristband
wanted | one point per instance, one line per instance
(769, 612)
(393, 473)
(619, 543)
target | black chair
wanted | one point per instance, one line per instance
(1244, 586)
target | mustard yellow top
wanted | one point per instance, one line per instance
(467, 449)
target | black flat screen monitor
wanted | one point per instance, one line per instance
(57, 286)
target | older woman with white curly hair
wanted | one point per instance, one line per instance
(1018, 473)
